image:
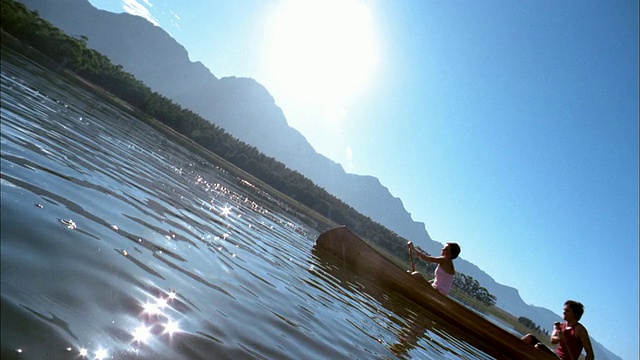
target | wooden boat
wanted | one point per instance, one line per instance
(363, 258)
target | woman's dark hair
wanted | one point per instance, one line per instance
(455, 250)
(576, 307)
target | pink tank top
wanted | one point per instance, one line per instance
(443, 281)
(572, 345)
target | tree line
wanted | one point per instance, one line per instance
(73, 54)
(532, 325)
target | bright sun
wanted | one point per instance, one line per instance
(321, 51)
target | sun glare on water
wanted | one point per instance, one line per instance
(321, 51)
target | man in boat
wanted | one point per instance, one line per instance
(445, 272)
(571, 336)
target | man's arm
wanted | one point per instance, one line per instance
(581, 331)
(556, 335)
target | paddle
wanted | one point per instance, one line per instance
(413, 263)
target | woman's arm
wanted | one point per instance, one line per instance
(422, 255)
(433, 259)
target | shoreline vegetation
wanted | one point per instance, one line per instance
(26, 33)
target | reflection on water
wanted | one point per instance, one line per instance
(117, 243)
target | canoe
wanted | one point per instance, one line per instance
(359, 256)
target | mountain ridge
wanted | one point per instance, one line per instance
(246, 110)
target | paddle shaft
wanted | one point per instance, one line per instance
(413, 263)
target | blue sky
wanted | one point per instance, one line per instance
(510, 127)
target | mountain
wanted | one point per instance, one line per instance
(245, 109)
(241, 106)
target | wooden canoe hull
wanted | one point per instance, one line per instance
(360, 256)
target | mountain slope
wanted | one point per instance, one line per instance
(245, 109)
(241, 106)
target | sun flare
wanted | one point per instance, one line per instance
(321, 51)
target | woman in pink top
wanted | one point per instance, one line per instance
(445, 272)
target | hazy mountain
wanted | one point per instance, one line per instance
(245, 109)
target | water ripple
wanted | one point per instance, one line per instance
(141, 249)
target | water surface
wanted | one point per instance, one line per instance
(118, 243)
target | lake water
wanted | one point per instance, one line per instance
(118, 244)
